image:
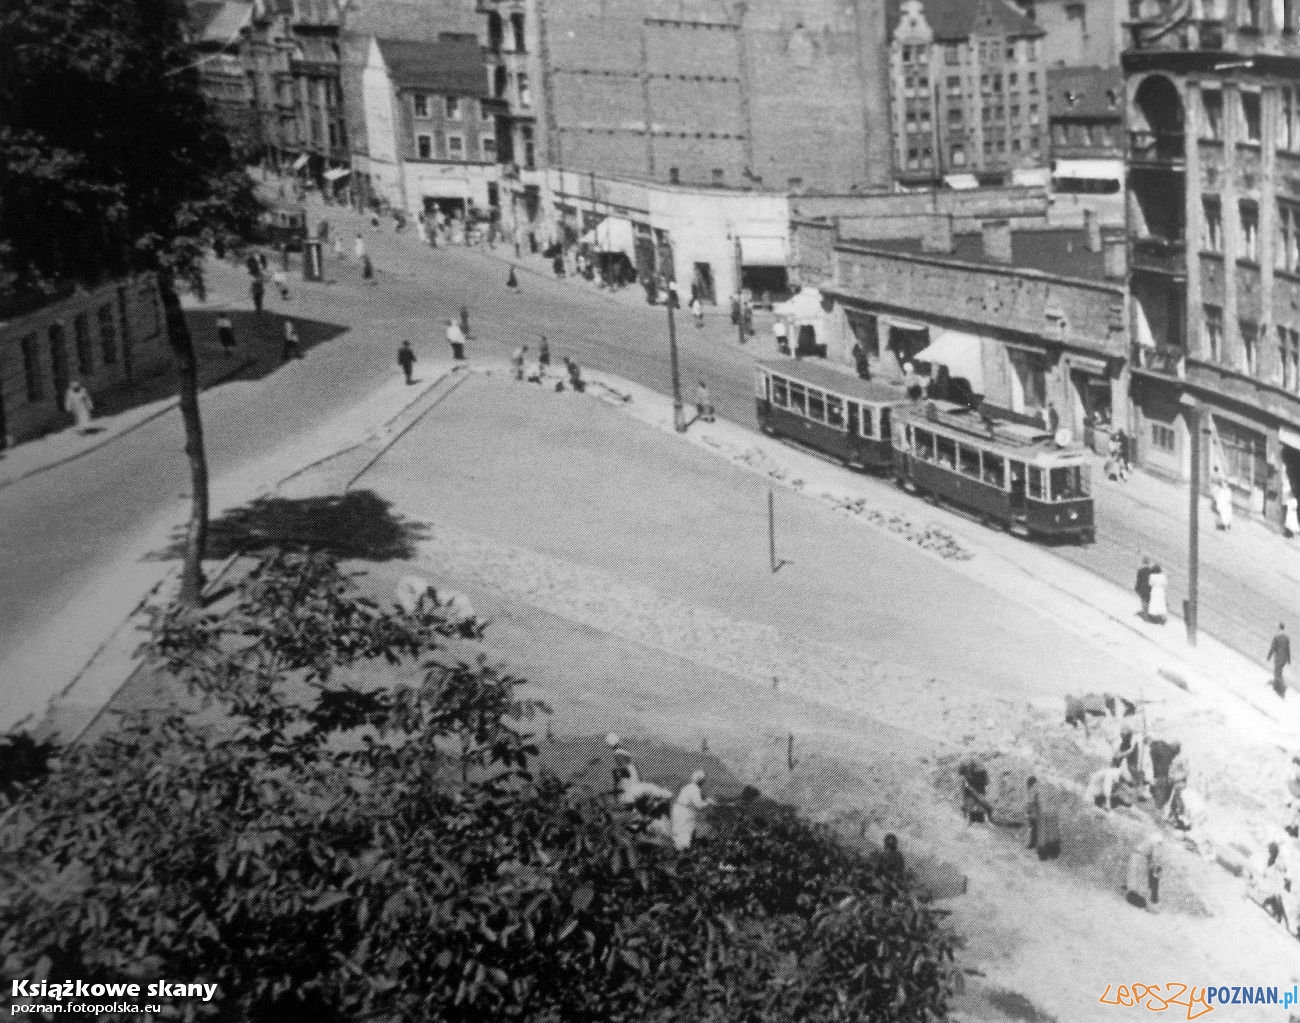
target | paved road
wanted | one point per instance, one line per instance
(58, 527)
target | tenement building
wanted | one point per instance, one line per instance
(1213, 98)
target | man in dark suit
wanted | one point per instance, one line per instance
(1143, 585)
(1279, 652)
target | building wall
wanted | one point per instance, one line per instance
(377, 165)
(1081, 33)
(110, 336)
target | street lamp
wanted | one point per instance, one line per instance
(679, 417)
(1193, 410)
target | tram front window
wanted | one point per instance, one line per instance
(797, 399)
(1069, 482)
(779, 396)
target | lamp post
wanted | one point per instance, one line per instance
(679, 418)
(1193, 409)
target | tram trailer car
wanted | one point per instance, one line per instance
(1017, 476)
(831, 410)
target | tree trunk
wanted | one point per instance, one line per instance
(187, 379)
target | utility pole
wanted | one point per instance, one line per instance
(1193, 408)
(740, 293)
(679, 419)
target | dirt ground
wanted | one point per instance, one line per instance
(626, 574)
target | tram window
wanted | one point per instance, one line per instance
(853, 418)
(797, 401)
(945, 451)
(1069, 482)
(779, 394)
(883, 413)
(968, 460)
(995, 470)
(834, 411)
(816, 405)
(1035, 482)
(923, 444)
(868, 421)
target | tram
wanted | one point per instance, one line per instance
(1019, 476)
(827, 409)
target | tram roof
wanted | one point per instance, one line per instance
(991, 430)
(831, 378)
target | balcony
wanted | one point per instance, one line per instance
(1156, 148)
(1192, 34)
(1162, 360)
(1161, 256)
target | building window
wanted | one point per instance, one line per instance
(951, 54)
(489, 145)
(1287, 256)
(959, 156)
(1250, 115)
(1249, 11)
(1163, 438)
(913, 158)
(421, 105)
(1288, 344)
(1212, 105)
(32, 368)
(1249, 346)
(1243, 454)
(526, 135)
(997, 83)
(455, 112)
(1032, 79)
(1213, 333)
(1249, 214)
(484, 114)
(455, 147)
(1212, 226)
(424, 147)
(81, 337)
(107, 334)
(954, 115)
(1288, 133)
(1015, 145)
(1013, 81)
(525, 94)
(439, 145)
(674, 176)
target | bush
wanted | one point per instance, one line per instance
(324, 849)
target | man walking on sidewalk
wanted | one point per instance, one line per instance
(257, 288)
(1279, 652)
(292, 347)
(1142, 587)
(703, 407)
(406, 359)
(456, 338)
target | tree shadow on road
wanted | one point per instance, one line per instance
(356, 525)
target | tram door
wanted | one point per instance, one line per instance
(1017, 487)
(853, 419)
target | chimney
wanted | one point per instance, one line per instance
(1092, 230)
(997, 241)
(1115, 255)
(938, 233)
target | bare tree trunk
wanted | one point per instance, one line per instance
(187, 378)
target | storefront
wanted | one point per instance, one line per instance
(763, 270)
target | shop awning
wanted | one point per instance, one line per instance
(444, 188)
(804, 307)
(613, 234)
(300, 163)
(762, 252)
(336, 173)
(960, 353)
(961, 182)
(1089, 170)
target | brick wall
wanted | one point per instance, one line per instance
(813, 252)
(975, 204)
(105, 337)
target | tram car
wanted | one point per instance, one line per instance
(829, 409)
(1021, 477)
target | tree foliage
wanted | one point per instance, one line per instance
(326, 846)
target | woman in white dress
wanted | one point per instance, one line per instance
(1158, 608)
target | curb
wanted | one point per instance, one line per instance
(171, 403)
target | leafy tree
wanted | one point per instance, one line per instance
(327, 846)
(112, 163)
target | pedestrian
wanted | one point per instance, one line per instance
(1125, 454)
(1100, 790)
(512, 282)
(1157, 608)
(890, 863)
(860, 361)
(292, 348)
(703, 407)
(254, 267)
(219, 247)
(261, 264)
(673, 298)
(406, 359)
(1142, 586)
(358, 247)
(1033, 810)
(226, 334)
(367, 269)
(464, 321)
(257, 288)
(337, 245)
(686, 810)
(780, 332)
(517, 360)
(544, 352)
(697, 310)
(575, 375)
(747, 314)
(1279, 652)
(735, 312)
(374, 221)
(456, 338)
(279, 280)
(1145, 865)
(557, 263)
(1222, 501)
(78, 404)
(1290, 521)
(1053, 419)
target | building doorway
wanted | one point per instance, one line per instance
(703, 287)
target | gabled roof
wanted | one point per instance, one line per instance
(452, 66)
(960, 19)
(218, 23)
(1091, 88)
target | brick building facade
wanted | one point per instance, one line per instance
(106, 337)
